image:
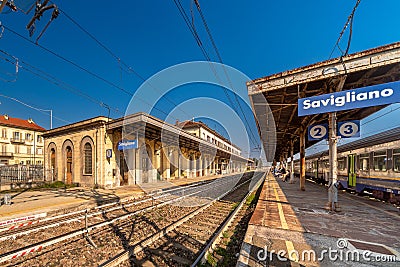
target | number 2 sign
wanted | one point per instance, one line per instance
(318, 132)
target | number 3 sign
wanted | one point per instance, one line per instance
(347, 129)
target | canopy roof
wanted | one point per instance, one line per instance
(282, 90)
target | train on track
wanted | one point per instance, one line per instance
(368, 165)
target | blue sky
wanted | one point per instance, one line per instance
(259, 38)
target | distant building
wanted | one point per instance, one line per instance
(135, 149)
(204, 132)
(21, 142)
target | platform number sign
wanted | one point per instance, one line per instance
(317, 132)
(109, 153)
(347, 129)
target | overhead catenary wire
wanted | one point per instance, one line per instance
(127, 68)
(207, 57)
(48, 77)
(223, 66)
(70, 62)
(349, 22)
(35, 108)
(87, 71)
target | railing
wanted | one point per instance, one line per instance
(6, 154)
(17, 140)
(25, 174)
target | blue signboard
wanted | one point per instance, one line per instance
(347, 129)
(127, 144)
(381, 94)
(318, 132)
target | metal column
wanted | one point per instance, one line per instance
(332, 189)
(291, 162)
(302, 159)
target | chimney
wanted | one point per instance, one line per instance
(30, 120)
(6, 116)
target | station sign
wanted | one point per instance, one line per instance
(127, 144)
(348, 129)
(375, 95)
(318, 132)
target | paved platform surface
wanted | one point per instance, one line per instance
(25, 203)
(290, 226)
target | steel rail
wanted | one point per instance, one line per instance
(136, 248)
(217, 236)
(19, 232)
(40, 245)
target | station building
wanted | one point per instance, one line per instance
(137, 149)
(21, 142)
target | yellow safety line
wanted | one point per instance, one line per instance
(289, 244)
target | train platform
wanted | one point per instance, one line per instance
(37, 202)
(290, 227)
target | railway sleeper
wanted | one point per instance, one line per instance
(216, 219)
(202, 227)
(190, 240)
(194, 235)
(168, 256)
(197, 231)
(176, 249)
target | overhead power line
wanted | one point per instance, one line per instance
(87, 71)
(50, 78)
(44, 111)
(193, 31)
(70, 62)
(128, 69)
(349, 22)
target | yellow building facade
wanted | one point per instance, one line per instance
(135, 149)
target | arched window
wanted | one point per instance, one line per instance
(87, 150)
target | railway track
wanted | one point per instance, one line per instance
(189, 241)
(91, 215)
(119, 227)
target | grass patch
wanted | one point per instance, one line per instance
(251, 199)
(211, 260)
(54, 185)
(220, 251)
(57, 184)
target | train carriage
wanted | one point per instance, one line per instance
(371, 164)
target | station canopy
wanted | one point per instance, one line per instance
(282, 90)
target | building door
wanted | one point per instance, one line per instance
(69, 165)
(351, 170)
(123, 169)
(53, 163)
(147, 166)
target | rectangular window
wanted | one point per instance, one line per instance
(28, 150)
(39, 151)
(88, 158)
(16, 149)
(396, 160)
(380, 161)
(364, 162)
(4, 133)
(39, 139)
(341, 164)
(28, 137)
(16, 135)
(208, 138)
